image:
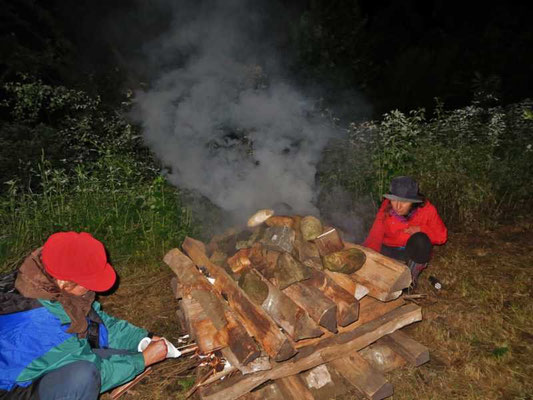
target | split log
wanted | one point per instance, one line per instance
(369, 310)
(293, 319)
(384, 277)
(320, 308)
(382, 357)
(228, 330)
(413, 352)
(347, 305)
(256, 321)
(261, 363)
(268, 392)
(201, 328)
(327, 350)
(293, 388)
(363, 376)
(329, 242)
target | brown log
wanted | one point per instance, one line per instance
(289, 316)
(347, 305)
(384, 277)
(382, 357)
(413, 352)
(307, 253)
(240, 261)
(201, 328)
(325, 351)
(261, 363)
(268, 392)
(329, 242)
(194, 286)
(280, 220)
(363, 376)
(256, 321)
(293, 388)
(320, 308)
(369, 310)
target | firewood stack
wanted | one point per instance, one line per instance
(288, 302)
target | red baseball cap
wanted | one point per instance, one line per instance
(79, 258)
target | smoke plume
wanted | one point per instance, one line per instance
(223, 118)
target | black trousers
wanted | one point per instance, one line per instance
(417, 249)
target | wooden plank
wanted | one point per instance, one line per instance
(347, 305)
(268, 392)
(363, 376)
(285, 312)
(261, 363)
(382, 357)
(201, 328)
(413, 352)
(256, 321)
(228, 332)
(384, 277)
(293, 388)
(320, 308)
(327, 350)
(369, 309)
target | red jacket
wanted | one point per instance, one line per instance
(388, 228)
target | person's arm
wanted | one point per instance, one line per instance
(121, 333)
(434, 227)
(375, 236)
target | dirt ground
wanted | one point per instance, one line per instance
(479, 327)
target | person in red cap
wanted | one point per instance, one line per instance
(55, 341)
(407, 226)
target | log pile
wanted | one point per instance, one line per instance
(288, 302)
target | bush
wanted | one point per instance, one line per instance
(475, 164)
(137, 219)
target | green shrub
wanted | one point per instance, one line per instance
(137, 219)
(475, 164)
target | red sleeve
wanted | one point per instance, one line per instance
(375, 236)
(434, 227)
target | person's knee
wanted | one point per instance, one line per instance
(418, 248)
(87, 374)
(78, 380)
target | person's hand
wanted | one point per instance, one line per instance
(156, 351)
(412, 229)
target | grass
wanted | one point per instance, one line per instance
(137, 218)
(479, 327)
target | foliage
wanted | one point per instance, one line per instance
(72, 126)
(71, 164)
(474, 163)
(137, 219)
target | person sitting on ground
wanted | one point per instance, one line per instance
(55, 341)
(407, 226)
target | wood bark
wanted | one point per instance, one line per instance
(383, 276)
(347, 305)
(286, 313)
(194, 286)
(363, 376)
(311, 356)
(320, 308)
(293, 388)
(382, 357)
(369, 309)
(413, 352)
(256, 321)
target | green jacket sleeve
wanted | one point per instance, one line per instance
(121, 334)
(114, 371)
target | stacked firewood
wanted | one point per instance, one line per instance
(288, 295)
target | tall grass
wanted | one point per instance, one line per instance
(138, 219)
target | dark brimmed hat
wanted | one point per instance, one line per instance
(404, 188)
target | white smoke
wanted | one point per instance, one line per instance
(223, 119)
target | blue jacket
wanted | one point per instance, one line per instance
(35, 341)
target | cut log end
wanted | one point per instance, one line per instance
(329, 319)
(285, 352)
